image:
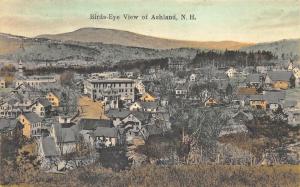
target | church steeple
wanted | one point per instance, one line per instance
(20, 68)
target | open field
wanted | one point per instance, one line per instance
(183, 175)
(90, 109)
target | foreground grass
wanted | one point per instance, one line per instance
(185, 175)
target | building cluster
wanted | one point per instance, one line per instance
(125, 109)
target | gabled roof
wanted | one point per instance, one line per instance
(106, 132)
(149, 105)
(274, 96)
(242, 115)
(256, 97)
(253, 78)
(49, 147)
(56, 93)
(246, 91)
(43, 101)
(269, 96)
(280, 75)
(118, 113)
(181, 87)
(142, 116)
(289, 103)
(32, 117)
(66, 135)
(92, 124)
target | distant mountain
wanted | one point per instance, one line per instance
(45, 50)
(289, 47)
(9, 43)
(54, 50)
(125, 38)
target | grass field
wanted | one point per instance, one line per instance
(177, 176)
(90, 109)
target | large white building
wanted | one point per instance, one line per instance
(34, 81)
(98, 88)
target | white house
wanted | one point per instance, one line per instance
(193, 77)
(106, 137)
(231, 72)
(136, 106)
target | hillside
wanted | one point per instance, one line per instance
(45, 50)
(9, 43)
(125, 38)
(289, 47)
(50, 50)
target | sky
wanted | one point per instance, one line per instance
(216, 20)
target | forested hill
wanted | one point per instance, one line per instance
(233, 58)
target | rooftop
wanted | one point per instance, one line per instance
(114, 80)
(106, 132)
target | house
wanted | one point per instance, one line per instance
(10, 127)
(274, 99)
(117, 115)
(2, 83)
(66, 138)
(32, 124)
(231, 72)
(92, 124)
(136, 106)
(243, 94)
(258, 102)
(280, 79)
(53, 98)
(140, 87)
(88, 126)
(133, 123)
(65, 119)
(293, 117)
(135, 119)
(164, 101)
(181, 91)
(268, 100)
(41, 107)
(47, 151)
(147, 97)
(242, 116)
(149, 106)
(254, 80)
(193, 77)
(296, 72)
(211, 102)
(106, 137)
(8, 108)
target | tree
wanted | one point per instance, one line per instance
(205, 127)
(229, 90)
(66, 78)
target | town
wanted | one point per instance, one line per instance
(173, 112)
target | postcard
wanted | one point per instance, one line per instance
(149, 93)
